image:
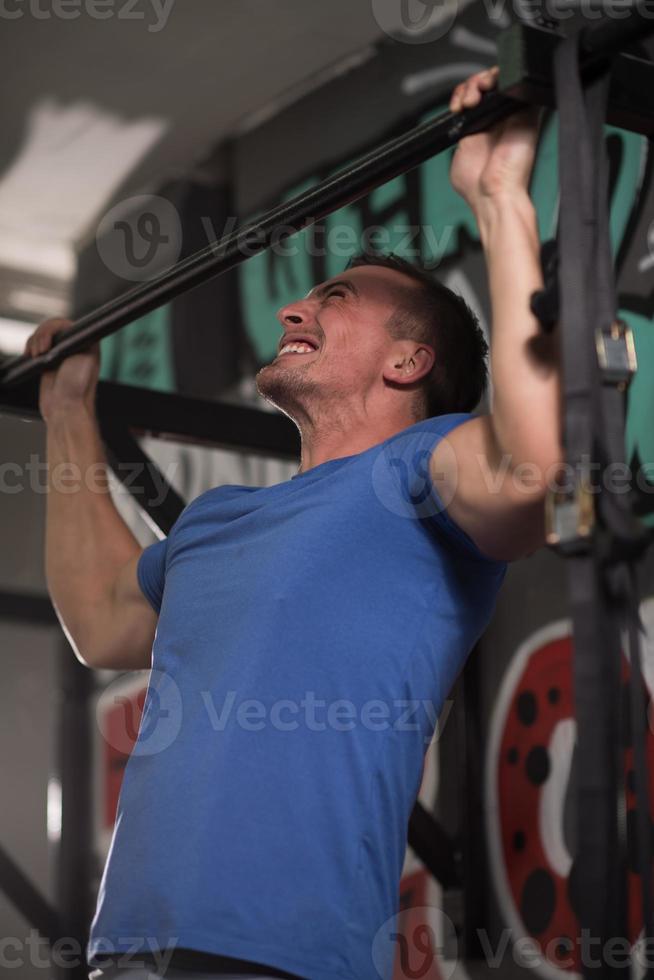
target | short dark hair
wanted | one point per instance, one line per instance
(437, 316)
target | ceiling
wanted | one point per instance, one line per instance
(92, 109)
(211, 64)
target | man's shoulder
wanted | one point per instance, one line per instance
(443, 423)
(425, 433)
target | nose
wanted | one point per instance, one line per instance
(295, 314)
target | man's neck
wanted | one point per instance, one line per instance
(327, 443)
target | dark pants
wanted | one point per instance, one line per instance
(172, 973)
(184, 964)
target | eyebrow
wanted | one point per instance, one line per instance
(320, 291)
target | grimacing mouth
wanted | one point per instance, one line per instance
(293, 339)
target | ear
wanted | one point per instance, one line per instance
(408, 362)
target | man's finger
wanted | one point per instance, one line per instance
(472, 94)
(488, 79)
(468, 93)
(455, 98)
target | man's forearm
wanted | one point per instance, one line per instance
(524, 361)
(87, 541)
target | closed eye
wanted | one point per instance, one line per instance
(341, 289)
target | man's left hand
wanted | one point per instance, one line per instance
(496, 162)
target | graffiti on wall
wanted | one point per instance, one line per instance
(419, 216)
(530, 769)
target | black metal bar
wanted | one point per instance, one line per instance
(354, 181)
(220, 425)
(526, 56)
(469, 708)
(26, 607)
(610, 34)
(140, 475)
(434, 847)
(27, 900)
(75, 862)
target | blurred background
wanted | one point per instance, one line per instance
(134, 134)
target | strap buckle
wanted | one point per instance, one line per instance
(616, 353)
(570, 515)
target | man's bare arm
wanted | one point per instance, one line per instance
(90, 553)
(500, 466)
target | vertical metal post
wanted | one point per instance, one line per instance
(74, 860)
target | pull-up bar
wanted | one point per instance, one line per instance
(525, 58)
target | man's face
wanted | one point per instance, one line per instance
(335, 346)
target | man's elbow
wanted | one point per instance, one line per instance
(517, 528)
(531, 480)
(528, 533)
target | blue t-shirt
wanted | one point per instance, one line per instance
(308, 635)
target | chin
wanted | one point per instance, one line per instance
(287, 388)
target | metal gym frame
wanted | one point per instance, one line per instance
(526, 56)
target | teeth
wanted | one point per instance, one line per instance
(296, 349)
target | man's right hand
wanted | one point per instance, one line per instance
(91, 556)
(74, 381)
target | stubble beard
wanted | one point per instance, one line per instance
(289, 389)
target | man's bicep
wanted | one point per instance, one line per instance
(124, 625)
(150, 573)
(127, 587)
(502, 515)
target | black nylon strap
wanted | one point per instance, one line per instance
(576, 240)
(625, 534)
(596, 880)
(638, 720)
(597, 826)
(594, 432)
